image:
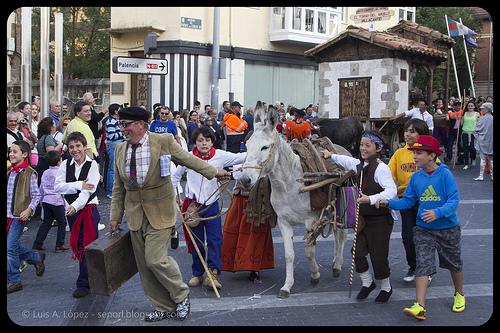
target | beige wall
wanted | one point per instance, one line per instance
(10, 20)
(379, 25)
(246, 27)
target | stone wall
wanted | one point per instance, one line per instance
(73, 91)
(388, 93)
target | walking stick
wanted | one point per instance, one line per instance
(380, 129)
(355, 236)
(455, 145)
(188, 229)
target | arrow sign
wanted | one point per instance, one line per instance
(129, 65)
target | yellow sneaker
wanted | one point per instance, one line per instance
(416, 311)
(458, 302)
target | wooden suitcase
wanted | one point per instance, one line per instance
(110, 261)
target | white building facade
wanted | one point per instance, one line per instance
(262, 48)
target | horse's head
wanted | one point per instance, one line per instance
(262, 145)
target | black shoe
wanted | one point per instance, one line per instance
(61, 248)
(13, 287)
(37, 248)
(158, 315)
(365, 291)
(80, 292)
(383, 296)
(254, 276)
(40, 267)
(183, 308)
(174, 241)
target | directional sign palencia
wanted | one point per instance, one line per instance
(128, 65)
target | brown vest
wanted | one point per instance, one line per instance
(22, 194)
(370, 187)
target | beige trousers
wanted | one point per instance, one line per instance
(160, 274)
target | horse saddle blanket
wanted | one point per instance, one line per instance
(311, 161)
(110, 261)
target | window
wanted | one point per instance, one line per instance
(409, 16)
(402, 74)
(297, 14)
(322, 22)
(333, 24)
(283, 18)
(309, 20)
(279, 17)
(407, 13)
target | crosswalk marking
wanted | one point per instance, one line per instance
(395, 235)
(327, 298)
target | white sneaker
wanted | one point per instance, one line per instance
(410, 276)
(479, 178)
(466, 167)
(100, 226)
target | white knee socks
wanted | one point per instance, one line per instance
(366, 278)
(385, 284)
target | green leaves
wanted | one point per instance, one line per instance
(433, 17)
(86, 49)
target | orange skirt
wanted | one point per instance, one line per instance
(245, 247)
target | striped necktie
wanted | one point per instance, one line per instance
(133, 167)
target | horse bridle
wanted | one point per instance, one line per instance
(264, 164)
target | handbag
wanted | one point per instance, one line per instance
(346, 206)
(191, 216)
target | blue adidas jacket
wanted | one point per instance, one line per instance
(438, 191)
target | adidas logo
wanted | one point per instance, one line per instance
(430, 195)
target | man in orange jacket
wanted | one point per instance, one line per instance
(297, 128)
(235, 128)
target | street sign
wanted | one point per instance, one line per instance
(190, 23)
(128, 65)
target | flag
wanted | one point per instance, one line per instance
(470, 39)
(457, 28)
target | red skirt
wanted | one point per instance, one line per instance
(245, 247)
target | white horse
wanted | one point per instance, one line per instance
(268, 154)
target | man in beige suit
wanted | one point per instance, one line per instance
(143, 191)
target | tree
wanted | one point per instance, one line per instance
(86, 49)
(433, 17)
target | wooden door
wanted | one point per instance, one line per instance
(138, 85)
(355, 98)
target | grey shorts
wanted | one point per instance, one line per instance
(447, 244)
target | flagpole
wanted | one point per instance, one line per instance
(468, 64)
(453, 59)
(489, 58)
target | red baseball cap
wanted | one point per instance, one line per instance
(428, 143)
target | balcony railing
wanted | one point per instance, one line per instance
(311, 25)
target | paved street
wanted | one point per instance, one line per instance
(47, 300)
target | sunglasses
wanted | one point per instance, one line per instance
(164, 113)
(125, 124)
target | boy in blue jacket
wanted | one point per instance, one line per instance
(437, 226)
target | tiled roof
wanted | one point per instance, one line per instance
(479, 12)
(383, 39)
(412, 26)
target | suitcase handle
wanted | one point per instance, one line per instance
(114, 233)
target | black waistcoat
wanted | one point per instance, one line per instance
(70, 177)
(371, 187)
